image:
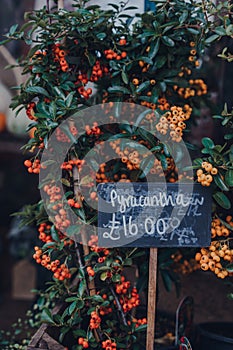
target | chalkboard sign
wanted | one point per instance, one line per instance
(153, 215)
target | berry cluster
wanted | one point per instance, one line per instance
(86, 93)
(73, 203)
(59, 56)
(173, 121)
(61, 219)
(84, 342)
(70, 164)
(218, 229)
(98, 71)
(127, 302)
(197, 87)
(162, 104)
(109, 345)
(215, 258)
(93, 130)
(145, 66)
(112, 55)
(30, 111)
(33, 166)
(182, 265)
(184, 71)
(90, 271)
(62, 137)
(139, 322)
(205, 178)
(45, 234)
(53, 192)
(193, 52)
(95, 320)
(123, 286)
(129, 156)
(59, 272)
(105, 310)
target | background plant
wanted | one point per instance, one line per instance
(154, 62)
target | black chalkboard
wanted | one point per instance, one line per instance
(153, 215)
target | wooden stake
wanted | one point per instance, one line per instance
(60, 4)
(151, 299)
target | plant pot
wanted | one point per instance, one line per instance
(215, 336)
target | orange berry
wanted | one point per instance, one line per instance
(122, 42)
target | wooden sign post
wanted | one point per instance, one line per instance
(152, 291)
(153, 215)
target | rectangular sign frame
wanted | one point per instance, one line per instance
(154, 215)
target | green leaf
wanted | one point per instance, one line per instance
(163, 160)
(167, 281)
(222, 200)
(69, 99)
(116, 277)
(229, 30)
(79, 333)
(160, 61)
(229, 267)
(54, 234)
(97, 298)
(143, 86)
(118, 89)
(220, 183)
(73, 230)
(86, 180)
(72, 307)
(103, 276)
(101, 36)
(183, 17)
(145, 59)
(168, 41)
(71, 299)
(146, 165)
(47, 317)
(13, 29)
(65, 182)
(37, 90)
(128, 262)
(80, 303)
(229, 177)
(63, 332)
(220, 30)
(207, 143)
(141, 117)
(230, 296)
(228, 136)
(193, 31)
(154, 48)
(211, 38)
(141, 328)
(81, 288)
(125, 77)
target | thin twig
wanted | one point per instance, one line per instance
(119, 306)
